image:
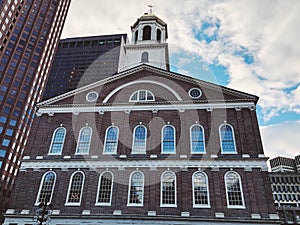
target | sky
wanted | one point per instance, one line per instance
(251, 46)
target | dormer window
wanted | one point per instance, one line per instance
(142, 96)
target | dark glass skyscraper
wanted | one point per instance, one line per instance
(29, 35)
(83, 60)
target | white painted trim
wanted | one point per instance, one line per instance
(191, 143)
(78, 141)
(161, 188)
(83, 108)
(233, 136)
(133, 141)
(147, 163)
(142, 82)
(92, 92)
(41, 184)
(111, 189)
(63, 142)
(70, 183)
(242, 193)
(207, 186)
(162, 139)
(129, 187)
(116, 149)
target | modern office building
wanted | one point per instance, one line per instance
(82, 61)
(286, 195)
(29, 35)
(145, 146)
(284, 164)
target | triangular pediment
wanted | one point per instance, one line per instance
(166, 86)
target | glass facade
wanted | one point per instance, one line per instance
(29, 34)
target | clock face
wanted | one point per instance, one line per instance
(195, 93)
(92, 96)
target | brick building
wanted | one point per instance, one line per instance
(146, 146)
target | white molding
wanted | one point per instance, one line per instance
(241, 189)
(111, 189)
(149, 163)
(207, 189)
(142, 82)
(129, 188)
(161, 189)
(85, 108)
(203, 136)
(162, 140)
(67, 203)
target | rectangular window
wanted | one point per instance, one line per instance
(3, 119)
(5, 142)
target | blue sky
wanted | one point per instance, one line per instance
(251, 46)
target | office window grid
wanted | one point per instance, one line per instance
(105, 188)
(75, 188)
(136, 188)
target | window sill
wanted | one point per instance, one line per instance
(135, 205)
(201, 206)
(236, 207)
(103, 204)
(168, 206)
(72, 204)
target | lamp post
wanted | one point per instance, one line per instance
(42, 216)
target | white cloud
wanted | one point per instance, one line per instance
(281, 139)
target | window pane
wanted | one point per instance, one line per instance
(139, 142)
(168, 140)
(58, 141)
(47, 187)
(197, 139)
(75, 188)
(111, 141)
(84, 140)
(136, 191)
(233, 188)
(227, 139)
(168, 189)
(200, 189)
(105, 188)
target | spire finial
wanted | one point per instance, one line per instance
(150, 8)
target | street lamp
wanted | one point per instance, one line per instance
(42, 216)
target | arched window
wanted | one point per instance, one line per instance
(136, 36)
(139, 139)
(168, 189)
(142, 96)
(158, 35)
(136, 189)
(234, 191)
(75, 188)
(227, 139)
(197, 139)
(200, 190)
(111, 140)
(168, 139)
(145, 57)
(84, 140)
(105, 187)
(57, 142)
(146, 33)
(46, 187)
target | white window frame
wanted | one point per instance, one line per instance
(41, 185)
(233, 136)
(207, 186)
(129, 189)
(111, 189)
(78, 141)
(52, 141)
(161, 190)
(69, 189)
(116, 148)
(134, 151)
(241, 189)
(162, 139)
(138, 96)
(191, 140)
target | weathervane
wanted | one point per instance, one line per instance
(150, 8)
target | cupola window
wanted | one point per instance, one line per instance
(158, 35)
(142, 96)
(145, 57)
(147, 33)
(136, 36)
